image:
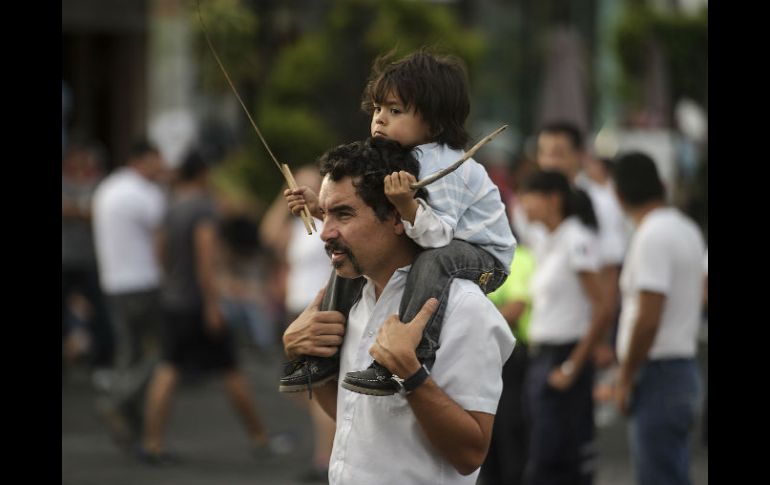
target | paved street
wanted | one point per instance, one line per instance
(206, 433)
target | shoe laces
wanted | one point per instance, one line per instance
(292, 366)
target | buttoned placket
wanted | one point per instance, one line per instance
(363, 360)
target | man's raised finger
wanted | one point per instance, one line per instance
(316, 303)
(422, 317)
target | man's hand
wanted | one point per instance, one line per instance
(395, 344)
(300, 197)
(214, 320)
(399, 193)
(559, 380)
(314, 332)
(623, 394)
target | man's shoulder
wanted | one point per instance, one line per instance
(465, 295)
(660, 224)
(472, 321)
(114, 185)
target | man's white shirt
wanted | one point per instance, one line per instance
(665, 256)
(127, 209)
(378, 439)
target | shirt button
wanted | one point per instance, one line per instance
(371, 333)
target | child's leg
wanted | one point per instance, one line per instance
(431, 275)
(307, 371)
(342, 293)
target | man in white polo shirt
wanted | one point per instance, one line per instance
(128, 207)
(662, 289)
(438, 428)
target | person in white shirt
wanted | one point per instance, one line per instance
(437, 428)
(128, 207)
(560, 146)
(662, 287)
(569, 317)
(422, 101)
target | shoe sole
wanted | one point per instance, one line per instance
(304, 385)
(366, 390)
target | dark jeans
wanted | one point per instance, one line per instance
(561, 447)
(507, 454)
(137, 321)
(430, 276)
(662, 415)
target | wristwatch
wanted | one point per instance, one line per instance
(406, 386)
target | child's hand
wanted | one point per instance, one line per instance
(301, 197)
(399, 193)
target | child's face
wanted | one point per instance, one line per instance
(393, 121)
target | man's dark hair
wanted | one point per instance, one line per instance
(567, 128)
(367, 162)
(192, 165)
(139, 149)
(436, 86)
(636, 179)
(608, 164)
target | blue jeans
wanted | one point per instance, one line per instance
(662, 415)
(431, 276)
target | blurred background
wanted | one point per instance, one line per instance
(629, 73)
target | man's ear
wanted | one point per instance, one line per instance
(398, 224)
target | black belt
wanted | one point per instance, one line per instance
(538, 348)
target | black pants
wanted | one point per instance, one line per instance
(561, 446)
(507, 455)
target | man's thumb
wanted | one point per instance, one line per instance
(316, 303)
(422, 317)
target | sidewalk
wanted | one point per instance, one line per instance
(207, 434)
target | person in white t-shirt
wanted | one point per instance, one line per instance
(662, 287)
(128, 207)
(437, 427)
(569, 317)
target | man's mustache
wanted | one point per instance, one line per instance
(337, 246)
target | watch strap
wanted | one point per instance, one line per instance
(415, 380)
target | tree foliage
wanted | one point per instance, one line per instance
(310, 97)
(684, 39)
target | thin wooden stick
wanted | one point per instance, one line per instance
(306, 217)
(446, 171)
